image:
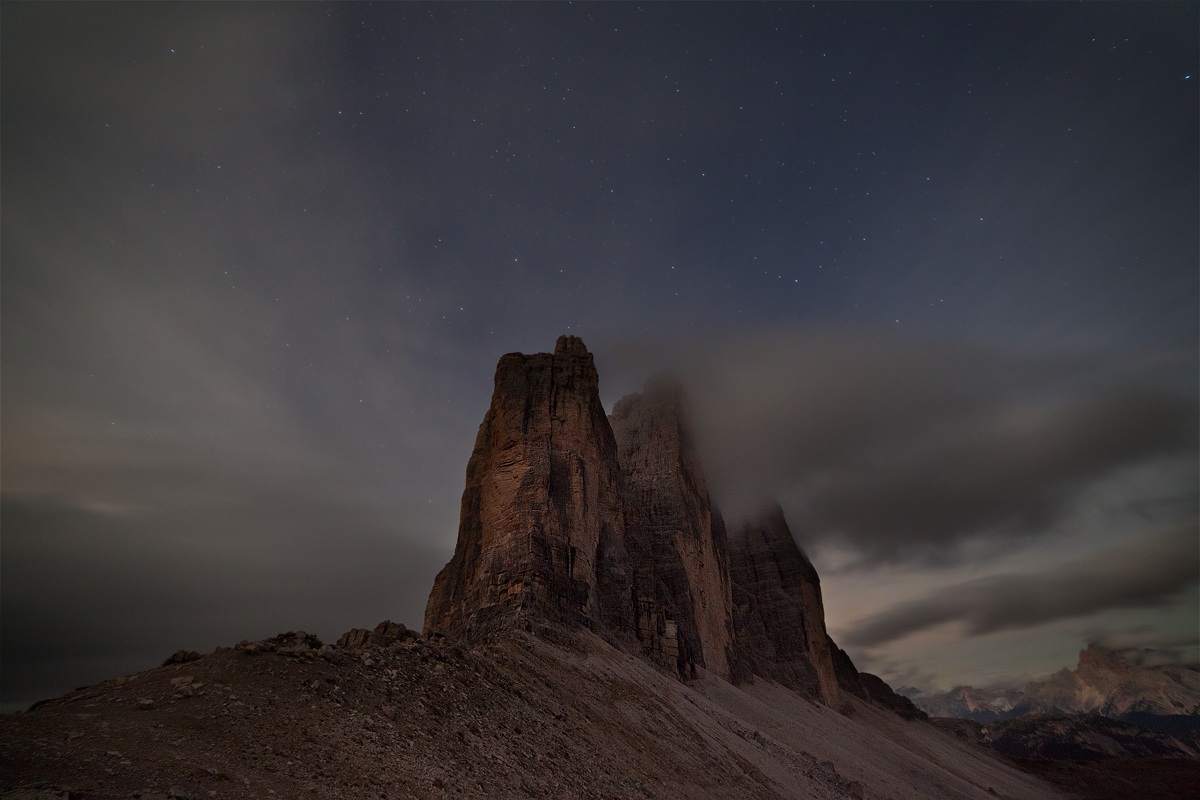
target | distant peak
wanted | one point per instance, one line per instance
(570, 346)
(1097, 655)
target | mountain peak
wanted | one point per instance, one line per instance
(570, 346)
(572, 518)
(1098, 657)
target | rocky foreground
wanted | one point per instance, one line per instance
(560, 714)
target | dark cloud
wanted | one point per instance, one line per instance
(259, 261)
(905, 449)
(1147, 573)
(95, 590)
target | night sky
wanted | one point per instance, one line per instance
(929, 272)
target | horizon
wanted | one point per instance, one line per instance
(927, 273)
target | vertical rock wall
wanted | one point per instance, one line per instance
(569, 517)
(779, 619)
(681, 570)
(543, 492)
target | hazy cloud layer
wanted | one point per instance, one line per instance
(905, 449)
(92, 591)
(1146, 573)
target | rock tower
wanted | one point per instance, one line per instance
(573, 518)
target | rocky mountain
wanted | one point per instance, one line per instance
(390, 714)
(1107, 683)
(968, 702)
(1104, 682)
(596, 634)
(678, 559)
(1110, 728)
(543, 513)
(573, 518)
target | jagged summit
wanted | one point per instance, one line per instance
(568, 522)
(571, 346)
(542, 492)
(570, 517)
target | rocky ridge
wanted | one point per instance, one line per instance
(573, 518)
(1104, 682)
(515, 688)
(399, 715)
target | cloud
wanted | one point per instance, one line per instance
(903, 449)
(91, 592)
(1147, 573)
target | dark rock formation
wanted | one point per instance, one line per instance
(870, 687)
(572, 518)
(385, 633)
(543, 499)
(679, 560)
(1107, 683)
(778, 616)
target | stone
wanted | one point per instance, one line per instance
(542, 515)
(779, 618)
(354, 638)
(388, 632)
(677, 549)
(181, 657)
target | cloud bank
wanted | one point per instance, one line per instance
(1146, 573)
(906, 450)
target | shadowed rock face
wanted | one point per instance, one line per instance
(870, 687)
(542, 500)
(571, 517)
(778, 616)
(680, 562)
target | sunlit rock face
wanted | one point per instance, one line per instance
(778, 614)
(542, 500)
(679, 558)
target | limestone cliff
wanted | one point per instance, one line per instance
(542, 501)
(572, 518)
(778, 615)
(679, 560)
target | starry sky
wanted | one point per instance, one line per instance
(928, 271)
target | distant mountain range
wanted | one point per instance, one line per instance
(1104, 683)
(1110, 729)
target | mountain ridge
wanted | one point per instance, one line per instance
(570, 517)
(596, 634)
(1104, 682)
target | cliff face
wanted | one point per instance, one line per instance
(570, 517)
(542, 514)
(679, 559)
(778, 616)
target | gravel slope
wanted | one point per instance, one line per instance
(562, 716)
